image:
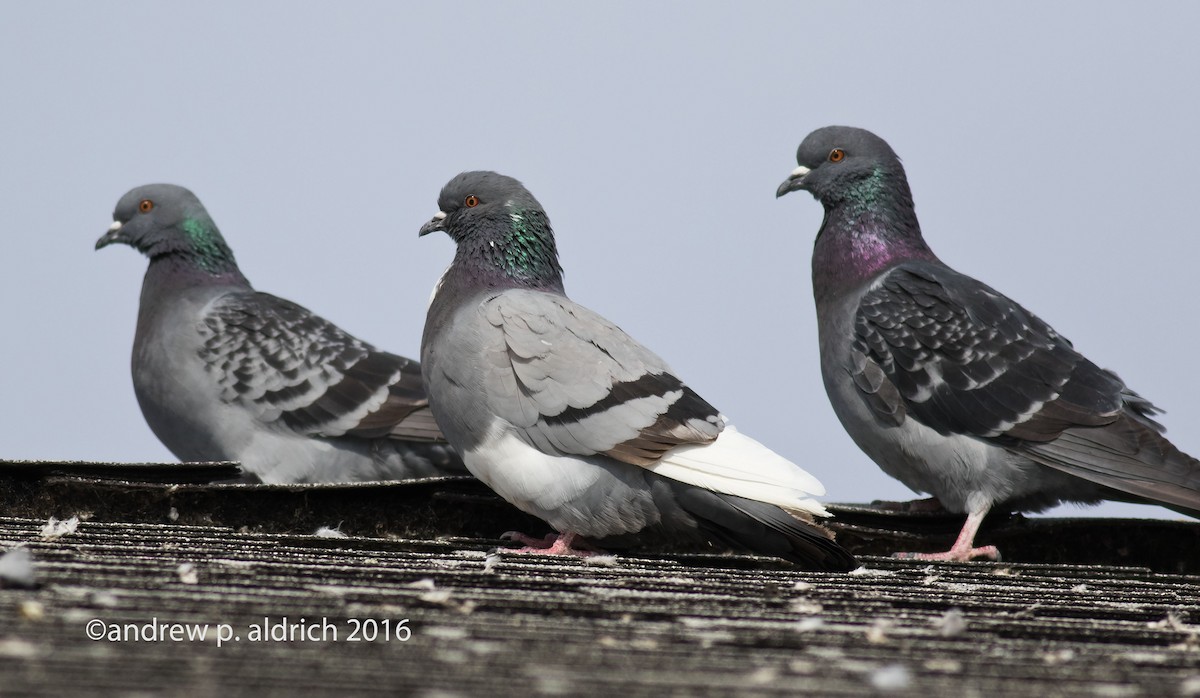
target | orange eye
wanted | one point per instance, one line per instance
(146, 206)
(472, 201)
(837, 155)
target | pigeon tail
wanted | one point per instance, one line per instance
(761, 528)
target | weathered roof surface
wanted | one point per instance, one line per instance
(501, 623)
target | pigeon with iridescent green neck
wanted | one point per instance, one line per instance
(224, 372)
(948, 385)
(570, 419)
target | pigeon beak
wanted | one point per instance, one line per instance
(794, 182)
(113, 235)
(435, 223)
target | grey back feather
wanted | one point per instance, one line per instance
(291, 367)
(571, 382)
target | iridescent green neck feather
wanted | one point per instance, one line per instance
(206, 247)
(519, 250)
(871, 228)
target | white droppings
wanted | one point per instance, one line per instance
(55, 528)
(1143, 657)
(438, 596)
(445, 632)
(103, 599)
(877, 633)
(327, 532)
(187, 573)
(31, 610)
(485, 647)
(452, 656)
(949, 666)
(951, 623)
(173, 515)
(601, 560)
(16, 569)
(490, 563)
(762, 676)
(894, 677)
(425, 584)
(867, 572)
(1058, 657)
(810, 624)
(963, 588)
(18, 649)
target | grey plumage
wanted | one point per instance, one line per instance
(224, 372)
(948, 385)
(570, 419)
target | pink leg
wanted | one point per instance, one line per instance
(552, 545)
(961, 551)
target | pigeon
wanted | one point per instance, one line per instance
(226, 373)
(950, 386)
(571, 420)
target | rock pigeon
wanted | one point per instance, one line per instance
(224, 372)
(951, 387)
(570, 419)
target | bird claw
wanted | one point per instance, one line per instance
(552, 544)
(529, 541)
(989, 552)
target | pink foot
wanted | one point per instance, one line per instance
(952, 555)
(963, 548)
(551, 544)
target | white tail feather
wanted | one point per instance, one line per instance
(737, 464)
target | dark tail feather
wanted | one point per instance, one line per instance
(1130, 456)
(426, 459)
(747, 525)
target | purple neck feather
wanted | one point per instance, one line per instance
(175, 272)
(849, 251)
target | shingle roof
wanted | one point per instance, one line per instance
(649, 623)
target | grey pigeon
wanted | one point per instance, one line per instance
(570, 419)
(948, 385)
(224, 372)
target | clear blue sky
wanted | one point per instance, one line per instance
(1051, 147)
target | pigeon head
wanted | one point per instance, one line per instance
(870, 224)
(499, 227)
(840, 164)
(165, 220)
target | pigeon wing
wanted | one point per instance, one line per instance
(961, 358)
(573, 383)
(296, 370)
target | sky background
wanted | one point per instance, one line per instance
(1052, 150)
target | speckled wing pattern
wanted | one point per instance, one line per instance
(573, 383)
(296, 369)
(960, 358)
